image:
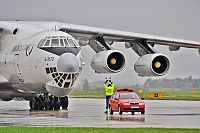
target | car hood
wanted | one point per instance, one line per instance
(131, 100)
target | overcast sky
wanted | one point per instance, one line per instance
(170, 18)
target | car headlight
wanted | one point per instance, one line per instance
(126, 103)
(141, 103)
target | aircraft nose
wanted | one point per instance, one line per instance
(68, 62)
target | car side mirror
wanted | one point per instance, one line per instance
(142, 98)
(116, 99)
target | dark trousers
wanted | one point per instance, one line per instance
(107, 101)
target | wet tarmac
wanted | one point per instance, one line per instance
(90, 113)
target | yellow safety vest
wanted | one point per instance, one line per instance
(109, 90)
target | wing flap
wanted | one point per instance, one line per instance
(86, 33)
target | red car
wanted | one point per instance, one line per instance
(126, 100)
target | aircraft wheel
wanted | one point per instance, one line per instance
(132, 113)
(56, 105)
(36, 106)
(64, 102)
(30, 104)
(41, 106)
(46, 105)
(50, 106)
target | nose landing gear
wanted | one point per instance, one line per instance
(48, 103)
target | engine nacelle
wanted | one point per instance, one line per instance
(110, 61)
(152, 65)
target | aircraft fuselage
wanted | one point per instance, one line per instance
(38, 57)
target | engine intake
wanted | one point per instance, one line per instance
(152, 65)
(110, 61)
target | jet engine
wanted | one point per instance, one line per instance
(152, 65)
(110, 61)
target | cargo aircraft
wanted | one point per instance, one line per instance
(45, 57)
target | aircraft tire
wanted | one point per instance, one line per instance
(56, 105)
(50, 106)
(30, 104)
(46, 105)
(64, 102)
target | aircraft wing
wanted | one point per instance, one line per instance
(87, 33)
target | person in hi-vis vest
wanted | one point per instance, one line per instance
(109, 88)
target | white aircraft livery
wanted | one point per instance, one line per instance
(45, 58)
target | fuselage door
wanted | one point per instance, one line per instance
(17, 68)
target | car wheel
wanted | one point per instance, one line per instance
(119, 109)
(111, 111)
(142, 112)
(132, 113)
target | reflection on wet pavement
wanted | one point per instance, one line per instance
(90, 113)
(126, 118)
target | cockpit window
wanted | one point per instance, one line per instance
(62, 43)
(41, 42)
(47, 43)
(66, 43)
(57, 41)
(54, 42)
(71, 42)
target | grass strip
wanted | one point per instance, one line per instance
(14, 129)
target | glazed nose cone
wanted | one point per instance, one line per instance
(68, 62)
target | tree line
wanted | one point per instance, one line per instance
(164, 83)
(178, 83)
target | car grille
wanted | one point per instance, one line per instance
(134, 103)
(134, 109)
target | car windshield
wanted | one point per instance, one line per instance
(129, 96)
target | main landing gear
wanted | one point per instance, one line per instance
(48, 103)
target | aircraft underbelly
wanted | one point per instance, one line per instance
(9, 91)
